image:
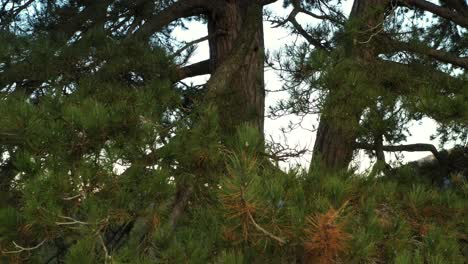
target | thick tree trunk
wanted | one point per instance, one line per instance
(235, 26)
(236, 85)
(336, 134)
(333, 148)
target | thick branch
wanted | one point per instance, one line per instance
(266, 2)
(192, 70)
(408, 148)
(180, 9)
(304, 33)
(439, 10)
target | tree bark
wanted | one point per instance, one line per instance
(337, 133)
(236, 87)
(333, 148)
(237, 56)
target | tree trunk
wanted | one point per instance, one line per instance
(337, 133)
(237, 50)
(236, 85)
(333, 148)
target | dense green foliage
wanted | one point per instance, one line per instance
(253, 213)
(99, 145)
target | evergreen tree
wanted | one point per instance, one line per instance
(373, 71)
(107, 158)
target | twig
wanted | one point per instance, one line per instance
(72, 197)
(189, 44)
(72, 221)
(280, 240)
(106, 252)
(21, 249)
(257, 226)
(371, 36)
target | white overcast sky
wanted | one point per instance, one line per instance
(275, 38)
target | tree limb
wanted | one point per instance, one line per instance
(188, 45)
(444, 12)
(292, 19)
(408, 148)
(180, 9)
(460, 6)
(266, 2)
(395, 81)
(192, 70)
(181, 200)
(280, 240)
(440, 55)
(21, 249)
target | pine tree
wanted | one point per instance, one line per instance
(384, 65)
(106, 158)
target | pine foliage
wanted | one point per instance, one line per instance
(100, 152)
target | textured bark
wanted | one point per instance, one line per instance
(333, 148)
(336, 134)
(237, 55)
(236, 88)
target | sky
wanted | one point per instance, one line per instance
(275, 38)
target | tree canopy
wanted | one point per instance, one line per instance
(108, 156)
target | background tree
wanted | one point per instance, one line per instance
(387, 63)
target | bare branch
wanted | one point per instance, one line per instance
(257, 226)
(196, 69)
(71, 221)
(407, 148)
(21, 249)
(323, 17)
(188, 45)
(261, 229)
(72, 197)
(107, 257)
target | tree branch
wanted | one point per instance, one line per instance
(439, 55)
(180, 9)
(396, 82)
(266, 2)
(292, 19)
(444, 12)
(280, 240)
(21, 249)
(181, 200)
(188, 45)
(192, 70)
(407, 148)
